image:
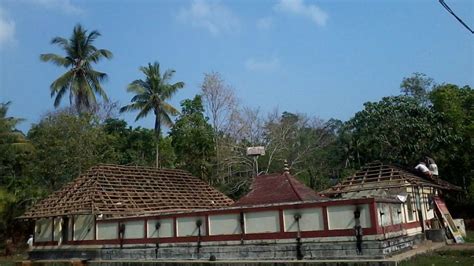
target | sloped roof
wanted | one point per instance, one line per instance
(277, 188)
(380, 176)
(116, 191)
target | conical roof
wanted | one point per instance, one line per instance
(116, 191)
(277, 188)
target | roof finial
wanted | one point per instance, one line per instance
(286, 170)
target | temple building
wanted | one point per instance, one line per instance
(126, 212)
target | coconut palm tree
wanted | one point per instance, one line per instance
(9, 135)
(80, 80)
(151, 95)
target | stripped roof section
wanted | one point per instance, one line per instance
(118, 191)
(380, 176)
(277, 188)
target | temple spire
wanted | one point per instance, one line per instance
(286, 170)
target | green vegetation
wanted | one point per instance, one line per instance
(211, 133)
(81, 80)
(439, 258)
(151, 94)
(469, 236)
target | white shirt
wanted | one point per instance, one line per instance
(421, 167)
(30, 242)
(433, 168)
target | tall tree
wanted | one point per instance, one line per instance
(151, 94)
(456, 161)
(397, 130)
(192, 139)
(66, 145)
(80, 80)
(12, 143)
(417, 86)
(219, 99)
(220, 104)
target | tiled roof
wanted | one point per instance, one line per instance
(116, 191)
(277, 188)
(380, 176)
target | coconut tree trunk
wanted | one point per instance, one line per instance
(157, 136)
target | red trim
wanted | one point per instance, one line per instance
(250, 209)
(325, 218)
(46, 243)
(236, 237)
(281, 220)
(52, 230)
(73, 221)
(145, 231)
(373, 230)
(411, 225)
(374, 217)
(175, 227)
(206, 224)
(95, 227)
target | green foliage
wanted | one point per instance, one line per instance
(67, 145)
(396, 130)
(16, 189)
(81, 80)
(417, 86)
(309, 146)
(151, 95)
(192, 139)
(135, 146)
(457, 105)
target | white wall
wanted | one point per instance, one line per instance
(186, 226)
(224, 224)
(342, 217)
(83, 227)
(384, 219)
(43, 229)
(107, 230)
(311, 219)
(397, 214)
(134, 229)
(166, 228)
(57, 229)
(262, 222)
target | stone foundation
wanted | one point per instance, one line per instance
(268, 250)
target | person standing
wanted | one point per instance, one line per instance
(29, 242)
(432, 166)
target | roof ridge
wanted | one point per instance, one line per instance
(289, 177)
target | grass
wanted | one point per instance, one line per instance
(470, 237)
(7, 261)
(439, 258)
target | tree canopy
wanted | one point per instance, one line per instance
(80, 80)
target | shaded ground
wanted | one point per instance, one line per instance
(443, 257)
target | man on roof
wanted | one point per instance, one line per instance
(431, 166)
(423, 169)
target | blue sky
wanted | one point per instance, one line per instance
(322, 58)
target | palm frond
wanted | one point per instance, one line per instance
(168, 75)
(169, 109)
(62, 42)
(166, 119)
(56, 59)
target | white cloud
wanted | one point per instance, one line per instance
(267, 65)
(265, 23)
(7, 29)
(212, 16)
(65, 6)
(299, 8)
